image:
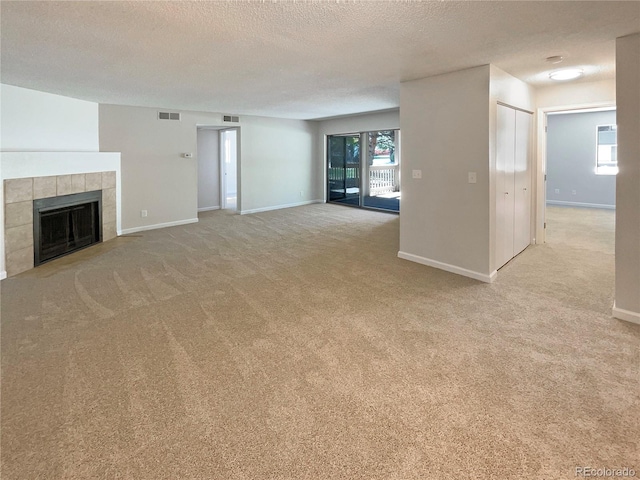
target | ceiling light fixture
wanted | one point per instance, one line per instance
(566, 74)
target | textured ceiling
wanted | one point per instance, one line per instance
(293, 59)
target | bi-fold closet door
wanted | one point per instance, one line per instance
(513, 183)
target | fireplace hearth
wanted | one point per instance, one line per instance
(21, 193)
(65, 224)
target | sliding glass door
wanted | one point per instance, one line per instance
(343, 162)
(383, 171)
(363, 169)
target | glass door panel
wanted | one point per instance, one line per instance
(383, 171)
(343, 169)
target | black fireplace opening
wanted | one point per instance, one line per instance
(65, 224)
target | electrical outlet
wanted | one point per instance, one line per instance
(416, 173)
(302, 193)
(557, 190)
(573, 192)
(143, 213)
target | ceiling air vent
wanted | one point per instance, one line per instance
(168, 116)
(231, 118)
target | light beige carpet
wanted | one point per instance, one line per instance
(294, 344)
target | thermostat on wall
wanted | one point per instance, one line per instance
(187, 155)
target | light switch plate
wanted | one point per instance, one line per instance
(472, 177)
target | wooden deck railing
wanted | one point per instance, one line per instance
(383, 179)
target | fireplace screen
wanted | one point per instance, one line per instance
(65, 224)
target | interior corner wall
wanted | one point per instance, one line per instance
(445, 221)
(627, 253)
(33, 121)
(366, 122)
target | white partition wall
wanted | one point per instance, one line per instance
(450, 182)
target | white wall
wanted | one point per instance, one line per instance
(276, 163)
(445, 221)
(367, 122)
(448, 125)
(44, 134)
(33, 121)
(571, 160)
(627, 292)
(208, 169)
(508, 89)
(155, 177)
(576, 94)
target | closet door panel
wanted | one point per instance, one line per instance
(505, 163)
(522, 179)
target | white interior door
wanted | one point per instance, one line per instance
(229, 168)
(505, 184)
(522, 193)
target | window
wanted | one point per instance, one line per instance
(607, 150)
(382, 147)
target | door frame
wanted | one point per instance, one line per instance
(364, 186)
(541, 160)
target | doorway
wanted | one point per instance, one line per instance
(229, 169)
(217, 168)
(363, 169)
(581, 151)
(555, 189)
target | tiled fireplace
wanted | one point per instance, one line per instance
(19, 195)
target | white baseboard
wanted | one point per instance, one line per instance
(449, 268)
(126, 231)
(626, 315)
(581, 205)
(208, 209)
(3, 274)
(278, 207)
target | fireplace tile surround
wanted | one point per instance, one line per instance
(19, 195)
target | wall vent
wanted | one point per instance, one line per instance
(168, 116)
(231, 118)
